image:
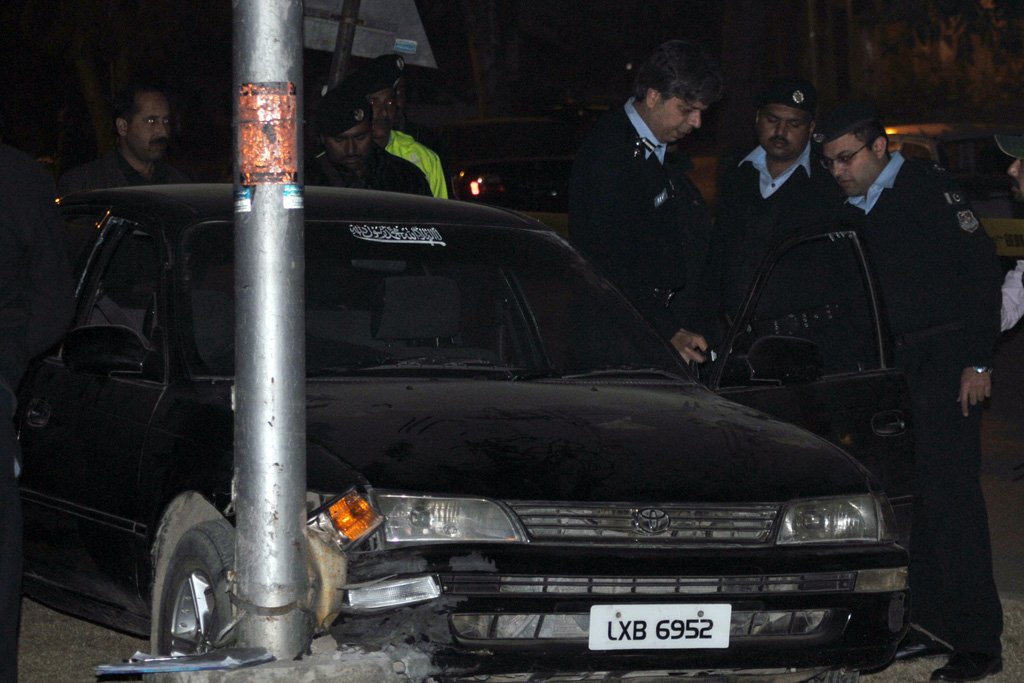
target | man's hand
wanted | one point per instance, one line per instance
(690, 345)
(975, 387)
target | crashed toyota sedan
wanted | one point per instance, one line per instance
(509, 474)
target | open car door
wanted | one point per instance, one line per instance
(809, 346)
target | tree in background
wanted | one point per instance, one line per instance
(940, 58)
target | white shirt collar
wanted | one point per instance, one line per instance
(644, 131)
(759, 160)
(885, 179)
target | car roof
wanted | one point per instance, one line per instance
(195, 202)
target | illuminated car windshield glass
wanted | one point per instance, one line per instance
(403, 298)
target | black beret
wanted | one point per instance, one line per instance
(845, 118)
(379, 73)
(340, 109)
(792, 92)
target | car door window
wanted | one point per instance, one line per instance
(817, 292)
(126, 289)
(913, 150)
(82, 228)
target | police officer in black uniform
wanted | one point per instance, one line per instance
(632, 209)
(36, 305)
(778, 189)
(348, 156)
(939, 280)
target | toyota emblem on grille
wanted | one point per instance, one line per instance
(651, 520)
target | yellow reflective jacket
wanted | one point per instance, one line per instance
(405, 146)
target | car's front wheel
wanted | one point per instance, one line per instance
(195, 605)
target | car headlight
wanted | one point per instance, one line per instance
(446, 519)
(840, 519)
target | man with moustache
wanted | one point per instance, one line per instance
(778, 189)
(632, 209)
(142, 120)
(938, 276)
(348, 155)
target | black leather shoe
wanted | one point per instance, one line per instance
(968, 666)
(917, 644)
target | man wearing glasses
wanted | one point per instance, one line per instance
(939, 280)
(142, 120)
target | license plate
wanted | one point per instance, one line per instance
(636, 627)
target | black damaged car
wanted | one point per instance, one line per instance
(513, 475)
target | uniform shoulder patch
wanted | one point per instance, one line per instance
(968, 221)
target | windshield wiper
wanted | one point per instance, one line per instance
(625, 371)
(435, 362)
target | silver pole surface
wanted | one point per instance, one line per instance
(270, 391)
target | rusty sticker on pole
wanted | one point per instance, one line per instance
(267, 126)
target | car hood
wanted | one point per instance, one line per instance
(579, 441)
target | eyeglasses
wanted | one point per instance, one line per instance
(381, 101)
(843, 159)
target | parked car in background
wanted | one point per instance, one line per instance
(520, 478)
(537, 186)
(520, 163)
(969, 153)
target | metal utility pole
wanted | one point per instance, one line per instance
(270, 390)
(343, 44)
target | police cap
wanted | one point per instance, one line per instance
(792, 92)
(377, 74)
(845, 118)
(1012, 145)
(340, 109)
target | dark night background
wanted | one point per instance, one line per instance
(918, 59)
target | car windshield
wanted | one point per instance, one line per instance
(407, 300)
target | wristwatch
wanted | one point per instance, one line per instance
(982, 368)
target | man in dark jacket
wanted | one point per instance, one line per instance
(349, 157)
(142, 120)
(777, 190)
(939, 277)
(36, 304)
(632, 209)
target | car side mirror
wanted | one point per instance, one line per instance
(786, 360)
(103, 349)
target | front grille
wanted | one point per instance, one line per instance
(744, 625)
(704, 675)
(484, 584)
(653, 524)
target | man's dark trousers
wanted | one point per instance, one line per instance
(953, 593)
